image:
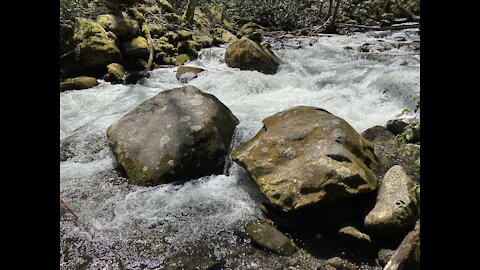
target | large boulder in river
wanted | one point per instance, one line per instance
(246, 54)
(179, 134)
(395, 211)
(306, 156)
(95, 47)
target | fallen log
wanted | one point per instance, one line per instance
(407, 253)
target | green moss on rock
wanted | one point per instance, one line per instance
(78, 83)
(115, 72)
(123, 28)
(95, 47)
(181, 59)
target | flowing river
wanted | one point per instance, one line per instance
(195, 224)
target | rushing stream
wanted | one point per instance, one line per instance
(192, 225)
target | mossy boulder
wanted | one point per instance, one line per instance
(246, 54)
(78, 83)
(115, 73)
(188, 47)
(308, 157)
(182, 59)
(205, 41)
(172, 37)
(186, 73)
(134, 63)
(123, 28)
(157, 30)
(179, 134)
(354, 237)
(165, 5)
(94, 46)
(162, 46)
(225, 35)
(395, 211)
(137, 47)
(184, 35)
(169, 60)
(268, 237)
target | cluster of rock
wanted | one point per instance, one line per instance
(122, 46)
(314, 169)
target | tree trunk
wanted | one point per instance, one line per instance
(331, 27)
(405, 256)
(189, 11)
(330, 4)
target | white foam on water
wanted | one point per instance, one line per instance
(146, 225)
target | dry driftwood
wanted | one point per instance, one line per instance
(68, 208)
(405, 251)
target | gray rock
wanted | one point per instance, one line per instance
(270, 238)
(395, 211)
(179, 134)
(246, 54)
(306, 156)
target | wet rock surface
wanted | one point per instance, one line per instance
(179, 134)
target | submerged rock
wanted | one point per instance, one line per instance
(246, 54)
(186, 73)
(306, 156)
(78, 83)
(395, 211)
(179, 134)
(270, 238)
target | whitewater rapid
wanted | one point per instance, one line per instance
(151, 227)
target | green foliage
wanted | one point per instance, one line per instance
(403, 139)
